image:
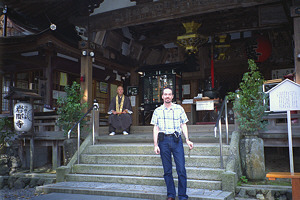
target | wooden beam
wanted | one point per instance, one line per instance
(32, 60)
(17, 47)
(160, 11)
(39, 1)
(112, 65)
(33, 43)
(48, 39)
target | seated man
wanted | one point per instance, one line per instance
(120, 111)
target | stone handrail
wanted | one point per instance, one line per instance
(233, 167)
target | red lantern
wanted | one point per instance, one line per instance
(259, 49)
(82, 79)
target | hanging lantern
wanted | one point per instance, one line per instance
(22, 116)
(259, 49)
(191, 40)
(222, 44)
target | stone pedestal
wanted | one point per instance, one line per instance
(252, 157)
(70, 147)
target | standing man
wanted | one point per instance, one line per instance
(120, 111)
(169, 122)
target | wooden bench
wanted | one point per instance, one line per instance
(295, 181)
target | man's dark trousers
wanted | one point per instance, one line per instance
(167, 147)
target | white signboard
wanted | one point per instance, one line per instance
(186, 89)
(22, 117)
(204, 105)
(285, 96)
(132, 100)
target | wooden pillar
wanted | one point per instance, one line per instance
(11, 84)
(296, 39)
(87, 83)
(1, 90)
(4, 27)
(134, 81)
(296, 20)
(48, 73)
(21, 153)
(295, 188)
(297, 47)
(194, 88)
(31, 167)
(32, 140)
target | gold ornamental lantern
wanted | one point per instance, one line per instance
(191, 40)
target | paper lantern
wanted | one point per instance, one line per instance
(259, 49)
(22, 117)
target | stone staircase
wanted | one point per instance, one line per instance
(127, 166)
(143, 134)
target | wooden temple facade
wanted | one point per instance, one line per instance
(101, 50)
(145, 34)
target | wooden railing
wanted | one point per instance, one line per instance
(276, 132)
(46, 123)
(295, 181)
(277, 122)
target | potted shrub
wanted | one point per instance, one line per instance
(250, 104)
(70, 107)
(70, 111)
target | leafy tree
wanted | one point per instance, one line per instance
(249, 101)
(70, 107)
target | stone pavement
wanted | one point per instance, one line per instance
(128, 190)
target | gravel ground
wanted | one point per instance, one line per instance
(13, 194)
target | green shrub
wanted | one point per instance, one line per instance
(249, 100)
(70, 108)
(7, 131)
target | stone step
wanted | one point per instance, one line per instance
(128, 159)
(129, 190)
(148, 138)
(154, 181)
(34, 175)
(143, 134)
(142, 170)
(103, 130)
(147, 149)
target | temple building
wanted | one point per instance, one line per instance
(198, 48)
